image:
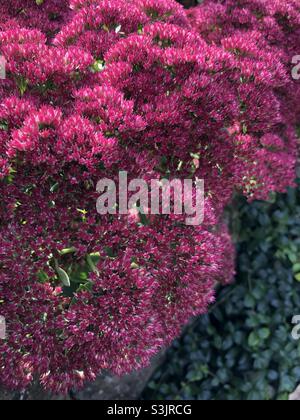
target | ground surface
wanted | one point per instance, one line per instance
(106, 387)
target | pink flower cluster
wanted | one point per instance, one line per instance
(98, 86)
(263, 35)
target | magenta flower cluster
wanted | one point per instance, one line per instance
(98, 86)
(263, 35)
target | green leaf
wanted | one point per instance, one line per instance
(296, 268)
(86, 287)
(140, 29)
(42, 277)
(264, 333)
(91, 264)
(110, 252)
(67, 251)
(253, 339)
(134, 265)
(249, 301)
(63, 276)
(22, 84)
(98, 66)
(3, 125)
(54, 187)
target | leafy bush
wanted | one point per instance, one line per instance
(243, 349)
(98, 86)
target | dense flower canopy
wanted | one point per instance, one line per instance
(98, 86)
(262, 34)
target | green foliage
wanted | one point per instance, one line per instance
(243, 349)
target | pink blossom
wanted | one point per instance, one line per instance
(98, 86)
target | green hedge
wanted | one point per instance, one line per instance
(243, 350)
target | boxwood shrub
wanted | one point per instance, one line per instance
(243, 349)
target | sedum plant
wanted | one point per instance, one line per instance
(95, 87)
